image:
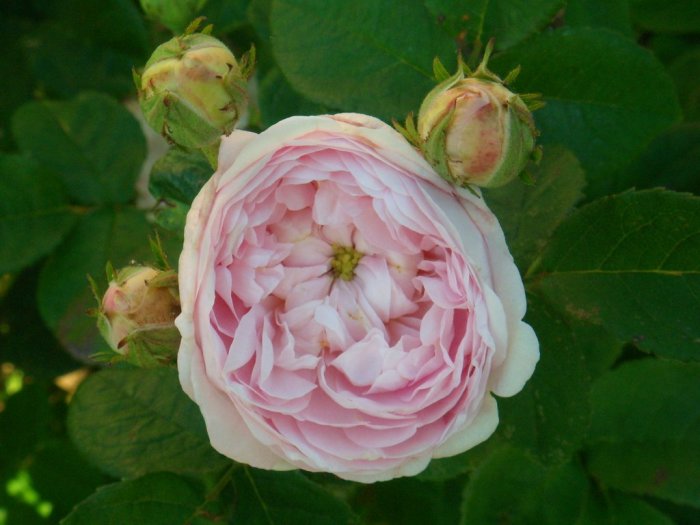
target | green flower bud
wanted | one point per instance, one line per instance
(173, 14)
(137, 315)
(193, 90)
(474, 130)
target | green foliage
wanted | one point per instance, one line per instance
(609, 14)
(34, 212)
(645, 433)
(285, 498)
(94, 144)
(630, 263)
(373, 68)
(530, 213)
(594, 84)
(156, 499)
(132, 422)
(508, 21)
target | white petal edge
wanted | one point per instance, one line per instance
(473, 432)
(523, 354)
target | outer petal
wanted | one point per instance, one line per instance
(472, 432)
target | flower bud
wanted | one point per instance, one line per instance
(474, 130)
(137, 315)
(193, 90)
(173, 14)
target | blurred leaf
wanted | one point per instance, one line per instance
(407, 501)
(679, 514)
(645, 433)
(630, 262)
(666, 16)
(92, 142)
(155, 499)
(24, 422)
(131, 422)
(24, 339)
(54, 463)
(685, 71)
(285, 498)
(619, 509)
(64, 63)
(278, 100)
(34, 212)
(529, 214)
(226, 15)
(508, 21)
(512, 488)
(353, 56)
(672, 160)
(609, 14)
(64, 297)
(606, 98)
(16, 78)
(116, 24)
(179, 175)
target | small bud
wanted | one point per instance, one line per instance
(173, 14)
(137, 315)
(473, 130)
(193, 90)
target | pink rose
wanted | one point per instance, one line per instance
(343, 308)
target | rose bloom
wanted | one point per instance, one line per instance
(344, 309)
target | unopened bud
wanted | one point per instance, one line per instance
(137, 315)
(193, 90)
(474, 130)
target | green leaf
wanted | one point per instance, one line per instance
(596, 104)
(64, 297)
(226, 16)
(631, 263)
(619, 509)
(52, 464)
(24, 339)
(609, 14)
(17, 80)
(278, 100)
(155, 499)
(92, 142)
(529, 214)
(672, 160)
(116, 24)
(64, 63)
(179, 175)
(508, 21)
(131, 422)
(353, 56)
(666, 16)
(645, 432)
(408, 501)
(285, 498)
(685, 71)
(513, 488)
(34, 212)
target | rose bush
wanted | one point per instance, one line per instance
(344, 309)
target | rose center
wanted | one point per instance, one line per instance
(344, 261)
